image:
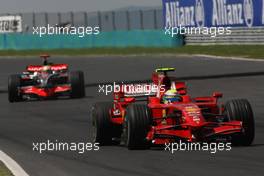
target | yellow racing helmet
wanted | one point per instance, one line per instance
(171, 96)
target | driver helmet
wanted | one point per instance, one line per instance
(171, 96)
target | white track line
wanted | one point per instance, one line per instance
(12, 165)
(229, 58)
(138, 55)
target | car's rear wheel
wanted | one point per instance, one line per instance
(241, 110)
(136, 126)
(77, 84)
(14, 82)
(102, 128)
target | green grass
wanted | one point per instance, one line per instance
(247, 51)
(4, 170)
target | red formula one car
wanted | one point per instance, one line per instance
(46, 81)
(158, 120)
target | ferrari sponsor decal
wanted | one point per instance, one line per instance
(193, 112)
(192, 109)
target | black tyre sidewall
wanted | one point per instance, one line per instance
(14, 82)
(241, 110)
(101, 123)
(77, 84)
(136, 126)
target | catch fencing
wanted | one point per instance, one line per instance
(123, 20)
(123, 28)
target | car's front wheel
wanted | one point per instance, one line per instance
(14, 82)
(102, 128)
(241, 110)
(136, 126)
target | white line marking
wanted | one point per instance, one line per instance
(12, 165)
(136, 55)
(229, 58)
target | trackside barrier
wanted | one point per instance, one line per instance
(239, 36)
(136, 38)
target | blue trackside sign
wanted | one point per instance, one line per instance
(213, 13)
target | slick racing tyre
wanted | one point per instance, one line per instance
(14, 82)
(102, 128)
(136, 126)
(241, 110)
(77, 84)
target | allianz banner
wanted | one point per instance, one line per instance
(209, 13)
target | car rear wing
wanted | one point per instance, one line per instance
(137, 90)
(148, 89)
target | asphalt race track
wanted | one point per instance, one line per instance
(21, 124)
